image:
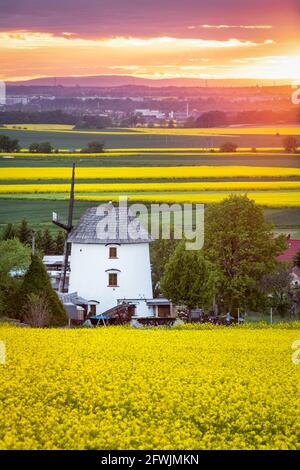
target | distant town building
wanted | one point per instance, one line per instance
(150, 113)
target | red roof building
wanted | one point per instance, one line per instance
(289, 254)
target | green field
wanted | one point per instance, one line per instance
(39, 213)
(158, 158)
(149, 148)
(65, 138)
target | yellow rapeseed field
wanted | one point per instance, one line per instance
(39, 127)
(48, 173)
(146, 187)
(225, 131)
(267, 198)
(119, 388)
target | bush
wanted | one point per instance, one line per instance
(8, 145)
(228, 147)
(38, 311)
(42, 147)
(37, 282)
(212, 119)
(94, 147)
(290, 144)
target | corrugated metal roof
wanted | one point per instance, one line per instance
(108, 224)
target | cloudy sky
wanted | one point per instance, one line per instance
(150, 38)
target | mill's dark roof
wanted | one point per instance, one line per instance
(109, 224)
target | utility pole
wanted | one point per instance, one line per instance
(33, 244)
(67, 227)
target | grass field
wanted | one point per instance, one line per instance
(150, 165)
(151, 389)
(146, 159)
(39, 213)
(64, 137)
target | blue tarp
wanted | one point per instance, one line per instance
(100, 317)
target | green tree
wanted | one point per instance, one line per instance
(42, 147)
(47, 244)
(190, 122)
(24, 233)
(277, 288)
(212, 119)
(13, 257)
(34, 147)
(160, 252)
(8, 145)
(189, 279)
(60, 242)
(228, 147)
(45, 147)
(37, 282)
(9, 232)
(94, 147)
(38, 240)
(242, 247)
(290, 144)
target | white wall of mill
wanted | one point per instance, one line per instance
(89, 277)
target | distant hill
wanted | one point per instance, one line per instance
(125, 80)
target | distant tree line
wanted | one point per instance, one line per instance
(55, 117)
(217, 118)
(212, 118)
(289, 143)
(45, 242)
(44, 117)
(12, 145)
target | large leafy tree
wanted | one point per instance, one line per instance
(241, 246)
(277, 288)
(37, 282)
(14, 258)
(189, 278)
(8, 145)
(160, 252)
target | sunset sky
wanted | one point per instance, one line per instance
(154, 39)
